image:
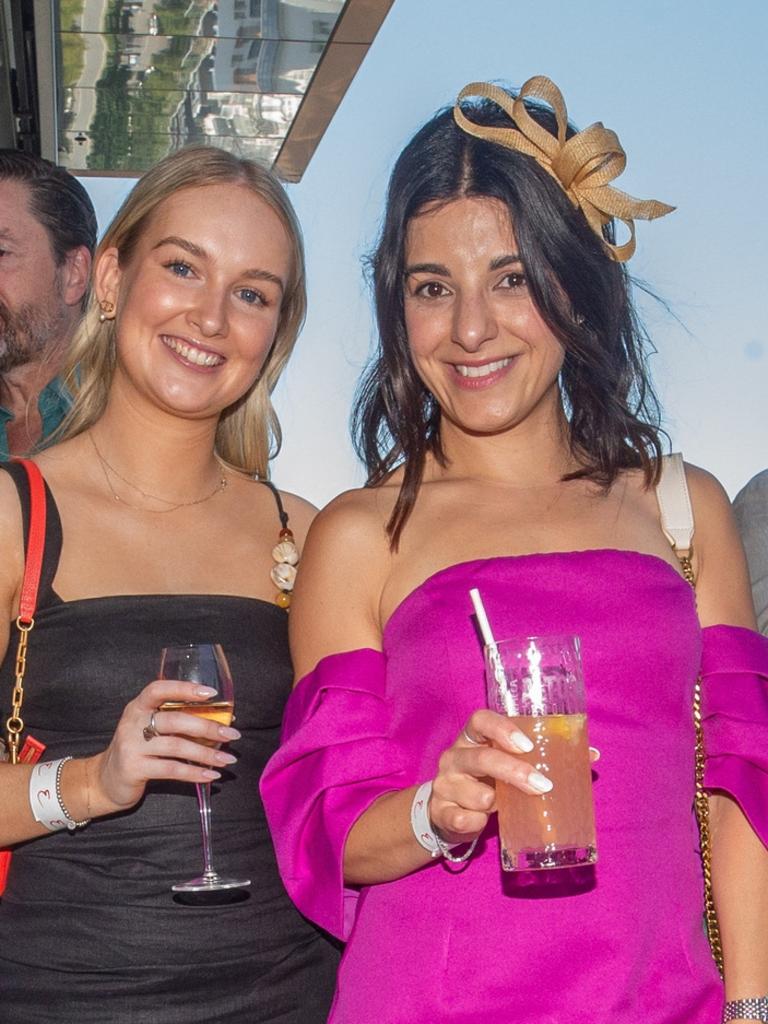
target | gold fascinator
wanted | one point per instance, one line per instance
(582, 165)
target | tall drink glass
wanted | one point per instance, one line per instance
(538, 682)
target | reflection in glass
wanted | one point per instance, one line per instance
(141, 78)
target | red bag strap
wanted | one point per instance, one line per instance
(33, 563)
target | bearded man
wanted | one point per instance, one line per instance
(47, 238)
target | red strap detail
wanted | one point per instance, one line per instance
(33, 563)
(5, 864)
(31, 750)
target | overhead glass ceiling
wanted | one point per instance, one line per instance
(137, 79)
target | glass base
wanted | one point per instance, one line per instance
(548, 858)
(210, 883)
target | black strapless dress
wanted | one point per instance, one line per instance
(89, 928)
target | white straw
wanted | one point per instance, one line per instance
(497, 666)
(482, 618)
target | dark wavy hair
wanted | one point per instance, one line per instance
(580, 291)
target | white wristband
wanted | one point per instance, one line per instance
(45, 797)
(425, 833)
(420, 823)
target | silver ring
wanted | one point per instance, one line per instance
(150, 731)
(470, 739)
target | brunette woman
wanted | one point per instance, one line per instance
(513, 445)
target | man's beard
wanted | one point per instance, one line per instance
(27, 332)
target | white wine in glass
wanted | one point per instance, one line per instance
(207, 665)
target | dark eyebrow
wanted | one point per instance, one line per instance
(195, 250)
(505, 261)
(427, 268)
(437, 268)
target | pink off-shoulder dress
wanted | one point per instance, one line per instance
(621, 941)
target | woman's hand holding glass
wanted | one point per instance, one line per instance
(463, 791)
(178, 751)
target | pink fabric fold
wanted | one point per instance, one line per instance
(336, 758)
(734, 671)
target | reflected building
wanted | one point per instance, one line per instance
(133, 80)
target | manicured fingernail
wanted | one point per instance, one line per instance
(228, 734)
(539, 782)
(208, 774)
(222, 757)
(595, 754)
(205, 691)
(519, 741)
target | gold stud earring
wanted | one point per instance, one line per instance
(107, 309)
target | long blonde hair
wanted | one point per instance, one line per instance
(248, 434)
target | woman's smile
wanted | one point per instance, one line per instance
(482, 375)
(191, 353)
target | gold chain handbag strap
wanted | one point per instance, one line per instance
(701, 800)
(14, 725)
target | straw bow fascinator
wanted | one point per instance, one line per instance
(582, 165)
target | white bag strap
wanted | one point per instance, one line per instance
(675, 504)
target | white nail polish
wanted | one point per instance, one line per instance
(539, 782)
(520, 742)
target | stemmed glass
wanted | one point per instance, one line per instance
(207, 665)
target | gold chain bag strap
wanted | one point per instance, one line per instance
(677, 524)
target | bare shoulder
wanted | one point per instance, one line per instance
(706, 490)
(350, 534)
(364, 509)
(723, 580)
(714, 522)
(252, 490)
(342, 573)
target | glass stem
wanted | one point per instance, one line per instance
(204, 803)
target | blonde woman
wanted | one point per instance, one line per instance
(160, 532)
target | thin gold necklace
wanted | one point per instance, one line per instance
(105, 466)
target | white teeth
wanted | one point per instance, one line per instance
(482, 371)
(192, 354)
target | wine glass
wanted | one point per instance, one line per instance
(207, 665)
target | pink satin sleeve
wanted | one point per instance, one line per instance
(734, 671)
(336, 758)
